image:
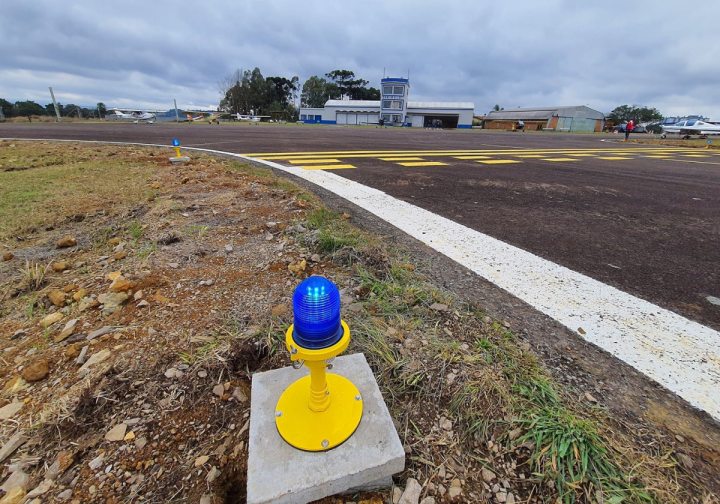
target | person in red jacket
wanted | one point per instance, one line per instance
(628, 128)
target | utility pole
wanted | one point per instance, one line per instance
(57, 110)
(177, 116)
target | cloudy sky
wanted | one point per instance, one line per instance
(521, 53)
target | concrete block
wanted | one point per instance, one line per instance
(279, 473)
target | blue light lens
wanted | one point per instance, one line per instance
(176, 142)
(316, 309)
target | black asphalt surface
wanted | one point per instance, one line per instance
(646, 225)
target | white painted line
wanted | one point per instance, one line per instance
(681, 355)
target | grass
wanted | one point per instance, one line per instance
(33, 275)
(46, 193)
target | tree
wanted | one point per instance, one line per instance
(27, 108)
(102, 109)
(71, 109)
(315, 92)
(248, 92)
(624, 113)
(347, 84)
(6, 107)
(497, 108)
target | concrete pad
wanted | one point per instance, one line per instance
(279, 473)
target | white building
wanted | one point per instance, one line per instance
(393, 108)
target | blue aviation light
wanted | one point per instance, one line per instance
(316, 309)
(176, 142)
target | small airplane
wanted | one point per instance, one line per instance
(136, 116)
(214, 117)
(688, 127)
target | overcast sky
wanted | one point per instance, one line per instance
(521, 53)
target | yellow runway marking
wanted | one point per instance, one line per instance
(696, 155)
(614, 158)
(500, 161)
(658, 157)
(424, 163)
(328, 167)
(581, 155)
(401, 159)
(471, 157)
(531, 156)
(312, 161)
(560, 159)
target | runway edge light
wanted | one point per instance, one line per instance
(178, 158)
(321, 410)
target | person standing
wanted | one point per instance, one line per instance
(628, 129)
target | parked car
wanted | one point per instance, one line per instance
(620, 128)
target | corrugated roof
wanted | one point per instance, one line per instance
(353, 103)
(544, 113)
(441, 105)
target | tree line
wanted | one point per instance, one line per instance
(30, 108)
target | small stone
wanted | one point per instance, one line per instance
(397, 493)
(138, 295)
(315, 258)
(679, 438)
(143, 303)
(57, 297)
(41, 489)
(36, 371)
(100, 332)
(65, 494)
(114, 241)
(83, 353)
(174, 265)
(202, 373)
(96, 463)
(439, 307)
(20, 333)
(67, 331)
(212, 474)
(450, 378)
(428, 500)
(581, 331)
(411, 495)
(279, 310)
(228, 248)
(445, 424)
(11, 445)
(590, 397)
(120, 255)
(206, 499)
(16, 479)
(113, 301)
(455, 489)
(117, 433)
(713, 300)
(66, 241)
(219, 390)
(686, 461)
(173, 373)
(501, 496)
(201, 460)
(60, 266)
(129, 436)
(239, 395)
(86, 303)
(121, 284)
(510, 499)
(8, 256)
(10, 410)
(140, 443)
(298, 267)
(487, 475)
(96, 358)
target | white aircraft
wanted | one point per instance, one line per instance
(688, 127)
(136, 116)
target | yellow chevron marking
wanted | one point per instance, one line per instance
(328, 167)
(560, 159)
(401, 159)
(312, 161)
(500, 161)
(424, 163)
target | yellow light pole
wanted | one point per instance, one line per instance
(321, 410)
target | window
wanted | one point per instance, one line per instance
(690, 123)
(395, 118)
(303, 117)
(387, 90)
(398, 90)
(392, 104)
(386, 117)
(318, 117)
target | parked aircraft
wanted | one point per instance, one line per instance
(136, 116)
(689, 127)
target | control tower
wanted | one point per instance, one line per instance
(394, 100)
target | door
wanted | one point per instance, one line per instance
(341, 118)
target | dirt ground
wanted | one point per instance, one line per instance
(136, 306)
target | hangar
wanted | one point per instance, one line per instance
(579, 119)
(393, 108)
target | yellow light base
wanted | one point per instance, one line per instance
(313, 431)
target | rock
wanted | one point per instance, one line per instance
(10, 410)
(87, 303)
(279, 310)
(450, 378)
(120, 255)
(501, 496)
(130, 436)
(60, 266)
(114, 241)
(36, 371)
(100, 332)
(487, 475)
(298, 267)
(455, 489)
(228, 248)
(713, 300)
(69, 288)
(65, 495)
(206, 499)
(51, 319)
(510, 499)
(201, 460)
(12, 444)
(66, 241)
(14, 496)
(16, 479)
(396, 494)
(113, 301)
(213, 474)
(67, 331)
(142, 303)
(117, 433)
(138, 295)
(445, 424)
(8, 256)
(202, 373)
(582, 332)
(411, 495)
(14, 385)
(679, 438)
(315, 258)
(356, 307)
(428, 500)
(686, 461)
(121, 284)
(83, 353)
(173, 373)
(96, 358)
(41, 489)
(20, 333)
(239, 395)
(219, 390)
(439, 307)
(174, 265)
(590, 397)
(57, 297)
(97, 462)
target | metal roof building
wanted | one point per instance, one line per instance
(393, 108)
(574, 118)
